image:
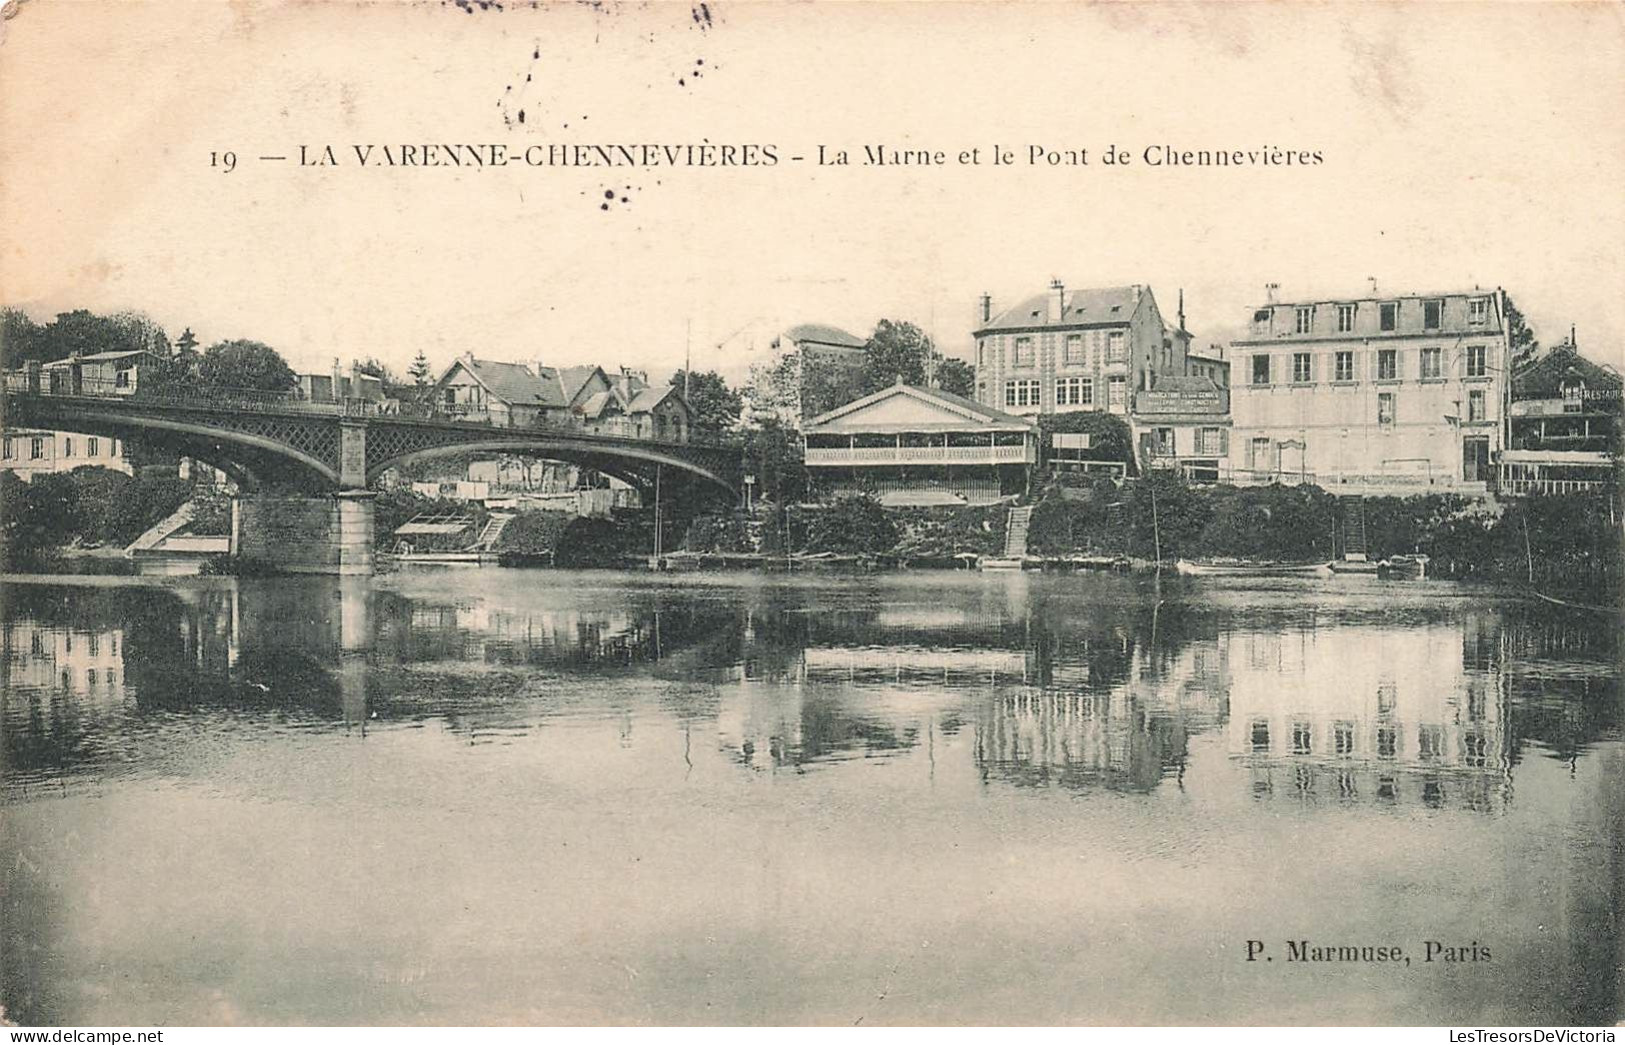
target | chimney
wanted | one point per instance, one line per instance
(338, 381)
(1271, 290)
(1057, 301)
(1182, 308)
(987, 308)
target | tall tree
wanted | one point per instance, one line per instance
(712, 405)
(419, 371)
(246, 364)
(1525, 346)
(187, 342)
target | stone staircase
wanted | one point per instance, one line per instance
(1354, 545)
(492, 532)
(1015, 532)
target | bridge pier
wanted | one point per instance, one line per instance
(300, 533)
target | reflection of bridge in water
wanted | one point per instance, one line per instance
(1040, 691)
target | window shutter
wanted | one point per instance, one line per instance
(1224, 442)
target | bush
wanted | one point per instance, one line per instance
(855, 525)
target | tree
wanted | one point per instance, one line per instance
(1525, 346)
(712, 405)
(419, 371)
(1110, 438)
(773, 454)
(187, 342)
(19, 337)
(956, 376)
(246, 364)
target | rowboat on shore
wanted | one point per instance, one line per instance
(1252, 569)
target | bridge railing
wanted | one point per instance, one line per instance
(58, 382)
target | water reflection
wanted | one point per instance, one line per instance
(1079, 687)
(279, 767)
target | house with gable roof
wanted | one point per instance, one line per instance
(513, 395)
(920, 446)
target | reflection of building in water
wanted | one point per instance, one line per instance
(1378, 711)
(1122, 727)
(83, 663)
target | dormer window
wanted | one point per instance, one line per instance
(1574, 394)
(1345, 318)
(1388, 315)
(1306, 318)
(1478, 311)
(1432, 315)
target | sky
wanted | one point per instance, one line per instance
(1461, 145)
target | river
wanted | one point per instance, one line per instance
(507, 796)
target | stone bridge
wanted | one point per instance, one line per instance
(300, 462)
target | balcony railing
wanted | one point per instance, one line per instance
(886, 455)
(1524, 487)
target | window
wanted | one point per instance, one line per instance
(90, 676)
(1086, 391)
(1429, 742)
(1162, 442)
(1343, 738)
(1261, 734)
(7, 451)
(1021, 393)
(1388, 315)
(122, 379)
(1345, 318)
(1475, 361)
(1024, 352)
(1478, 311)
(981, 353)
(1343, 366)
(1261, 317)
(91, 446)
(1073, 353)
(95, 644)
(36, 448)
(1115, 350)
(1574, 395)
(1302, 738)
(1069, 391)
(67, 446)
(1306, 318)
(1116, 391)
(1432, 314)
(981, 391)
(1430, 363)
(1261, 370)
(1387, 364)
(1475, 405)
(1385, 408)
(1387, 741)
(1259, 453)
(1210, 442)
(1302, 369)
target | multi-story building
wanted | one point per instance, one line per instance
(1084, 350)
(809, 364)
(29, 452)
(1398, 390)
(920, 446)
(1564, 426)
(1183, 424)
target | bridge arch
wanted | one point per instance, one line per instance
(619, 461)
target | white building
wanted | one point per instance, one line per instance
(1398, 391)
(30, 452)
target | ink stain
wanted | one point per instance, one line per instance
(603, 206)
(521, 116)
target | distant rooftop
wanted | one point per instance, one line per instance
(1099, 306)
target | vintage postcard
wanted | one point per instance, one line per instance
(839, 514)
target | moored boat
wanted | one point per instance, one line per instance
(1239, 568)
(1404, 567)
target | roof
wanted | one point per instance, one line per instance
(1544, 378)
(597, 403)
(1103, 306)
(514, 383)
(824, 335)
(102, 357)
(573, 378)
(1184, 383)
(649, 397)
(973, 412)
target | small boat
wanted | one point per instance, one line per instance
(1404, 567)
(1216, 568)
(990, 563)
